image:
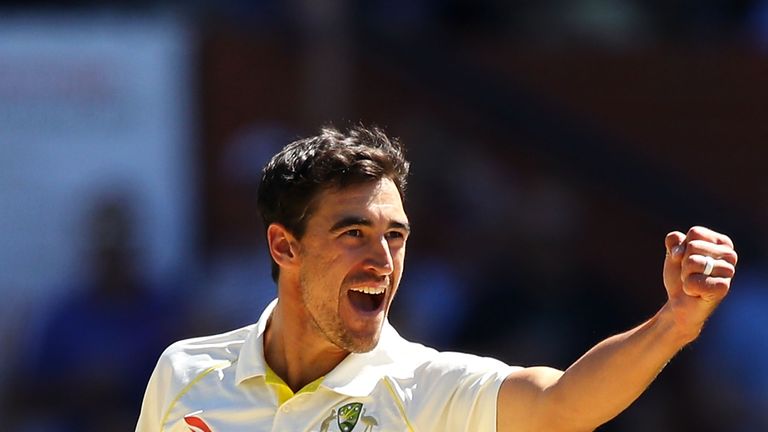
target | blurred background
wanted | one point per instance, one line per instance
(553, 145)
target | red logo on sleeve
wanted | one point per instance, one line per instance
(196, 424)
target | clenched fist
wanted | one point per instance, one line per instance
(698, 271)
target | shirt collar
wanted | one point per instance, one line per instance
(355, 376)
(251, 361)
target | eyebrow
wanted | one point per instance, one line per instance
(349, 221)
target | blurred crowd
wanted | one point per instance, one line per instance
(538, 222)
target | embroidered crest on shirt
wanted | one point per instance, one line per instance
(369, 421)
(327, 421)
(195, 423)
(348, 416)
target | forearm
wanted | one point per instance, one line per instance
(605, 380)
(698, 270)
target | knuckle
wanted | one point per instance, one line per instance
(674, 235)
(726, 270)
(698, 245)
(691, 260)
(696, 231)
(720, 287)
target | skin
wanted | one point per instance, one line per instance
(616, 371)
(356, 237)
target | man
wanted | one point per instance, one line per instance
(324, 358)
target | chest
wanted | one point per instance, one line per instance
(211, 405)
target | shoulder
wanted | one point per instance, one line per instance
(184, 360)
(462, 371)
(444, 390)
(182, 365)
(428, 363)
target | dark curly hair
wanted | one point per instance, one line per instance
(331, 159)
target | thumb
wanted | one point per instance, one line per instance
(675, 246)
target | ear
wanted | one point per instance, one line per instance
(282, 246)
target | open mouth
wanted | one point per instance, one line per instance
(366, 299)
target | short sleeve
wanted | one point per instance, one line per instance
(457, 392)
(157, 397)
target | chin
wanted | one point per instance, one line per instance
(361, 344)
(361, 349)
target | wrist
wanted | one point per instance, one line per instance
(679, 329)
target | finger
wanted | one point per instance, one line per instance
(710, 289)
(703, 233)
(696, 264)
(675, 246)
(672, 268)
(717, 251)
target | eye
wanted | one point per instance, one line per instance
(395, 235)
(353, 233)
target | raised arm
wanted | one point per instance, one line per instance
(697, 275)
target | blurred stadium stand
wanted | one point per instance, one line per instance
(553, 144)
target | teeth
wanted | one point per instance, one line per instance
(369, 290)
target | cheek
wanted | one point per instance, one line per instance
(331, 269)
(398, 261)
(399, 258)
(319, 256)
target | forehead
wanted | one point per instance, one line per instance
(376, 198)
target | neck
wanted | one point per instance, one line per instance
(295, 350)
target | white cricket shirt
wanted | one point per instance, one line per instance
(222, 384)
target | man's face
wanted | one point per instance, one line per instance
(351, 261)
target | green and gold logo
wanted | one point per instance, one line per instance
(348, 416)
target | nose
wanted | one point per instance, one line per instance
(380, 257)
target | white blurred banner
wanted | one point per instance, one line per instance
(87, 104)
